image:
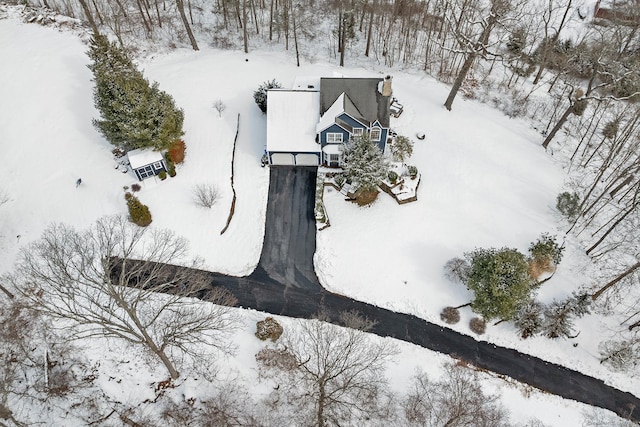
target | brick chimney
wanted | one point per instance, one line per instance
(386, 86)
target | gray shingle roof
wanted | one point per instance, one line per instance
(362, 92)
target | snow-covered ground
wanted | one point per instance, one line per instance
(485, 182)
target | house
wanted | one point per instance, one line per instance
(145, 162)
(291, 127)
(351, 107)
(307, 125)
(620, 11)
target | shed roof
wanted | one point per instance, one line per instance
(143, 156)
(362, 92)
(291, 120)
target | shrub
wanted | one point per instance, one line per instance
(206, 195)
(365, 197)
(568, 205)
(413, 171)
(268, 328)
(260, 95)
(478, 325)
(393, 177)
(546, 254)
(135, 187)
(139, 214)
(172, 172)
(171, 166)
(456, 269)
(177, 151)
(162, 175)
(450, 315)
(402, 148)
(339, 180)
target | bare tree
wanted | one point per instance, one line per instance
(337, 373)
(457, 400)
(219, 106)
(206, 195)
(114, 280)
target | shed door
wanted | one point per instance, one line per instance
(307, 159)
(282, 159)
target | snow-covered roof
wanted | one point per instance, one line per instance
(143, 156)
(329, 117)
(291, 120)
(306, 83)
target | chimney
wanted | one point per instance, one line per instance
(386, 86)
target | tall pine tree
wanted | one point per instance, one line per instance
(364, 163)
(133, 113)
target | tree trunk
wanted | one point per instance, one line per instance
(87, 13)
(271, 20)
(615, 224)
(612, 283)
(558, 126)
(369, 30)
(6, 291)
(245, 35)
(471, 56)
(192, 39)
(295, 37)
(144, 20)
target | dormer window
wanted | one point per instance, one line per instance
(357, 131)
(334, 137)
(375, 134)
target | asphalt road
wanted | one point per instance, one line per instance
(285, 283)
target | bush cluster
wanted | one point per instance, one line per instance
(478, 325)
(139, 214)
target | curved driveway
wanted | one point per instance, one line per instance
(285, 283)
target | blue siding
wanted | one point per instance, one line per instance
(352, 122)
(333, 129)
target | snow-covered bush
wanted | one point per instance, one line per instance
(393, 177)
(260, 95)
(456, 269)
(529, 320)
(568, 205)
(268, 328)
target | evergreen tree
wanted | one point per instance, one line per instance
(558, 319)
(402, 148)
(529, 319)
(133, 113)
(260, 95)
(500, 281)
(363, 163)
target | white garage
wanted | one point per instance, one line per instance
(283, 159)
(292, 116)
(305, 159)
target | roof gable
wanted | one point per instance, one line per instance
(143, 157)
(366, 102)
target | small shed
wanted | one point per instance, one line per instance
(145, 162)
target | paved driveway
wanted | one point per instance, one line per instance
(290, 231)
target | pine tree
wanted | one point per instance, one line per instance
(529, 319)
(558, 319)
(133, 113)
(260, 95)
(363, 163)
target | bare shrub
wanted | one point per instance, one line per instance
(219, 106)
(450, 315)
(206, 195)
(277, 358)
(478, 325)
(135, 187)
(456, 269)
(365, 197)
(268, 328)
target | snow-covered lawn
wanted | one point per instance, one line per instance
(485, 182)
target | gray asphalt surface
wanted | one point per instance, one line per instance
(284, 283)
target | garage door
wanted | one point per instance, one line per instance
(307, 159)
(282, 159)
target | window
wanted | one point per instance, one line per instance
(334, 138)
(146, 172)
(375, 134)
(334, 157)
(157, 165)
(357, 131)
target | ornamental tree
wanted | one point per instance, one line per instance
(500, 281)
(363, 163)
